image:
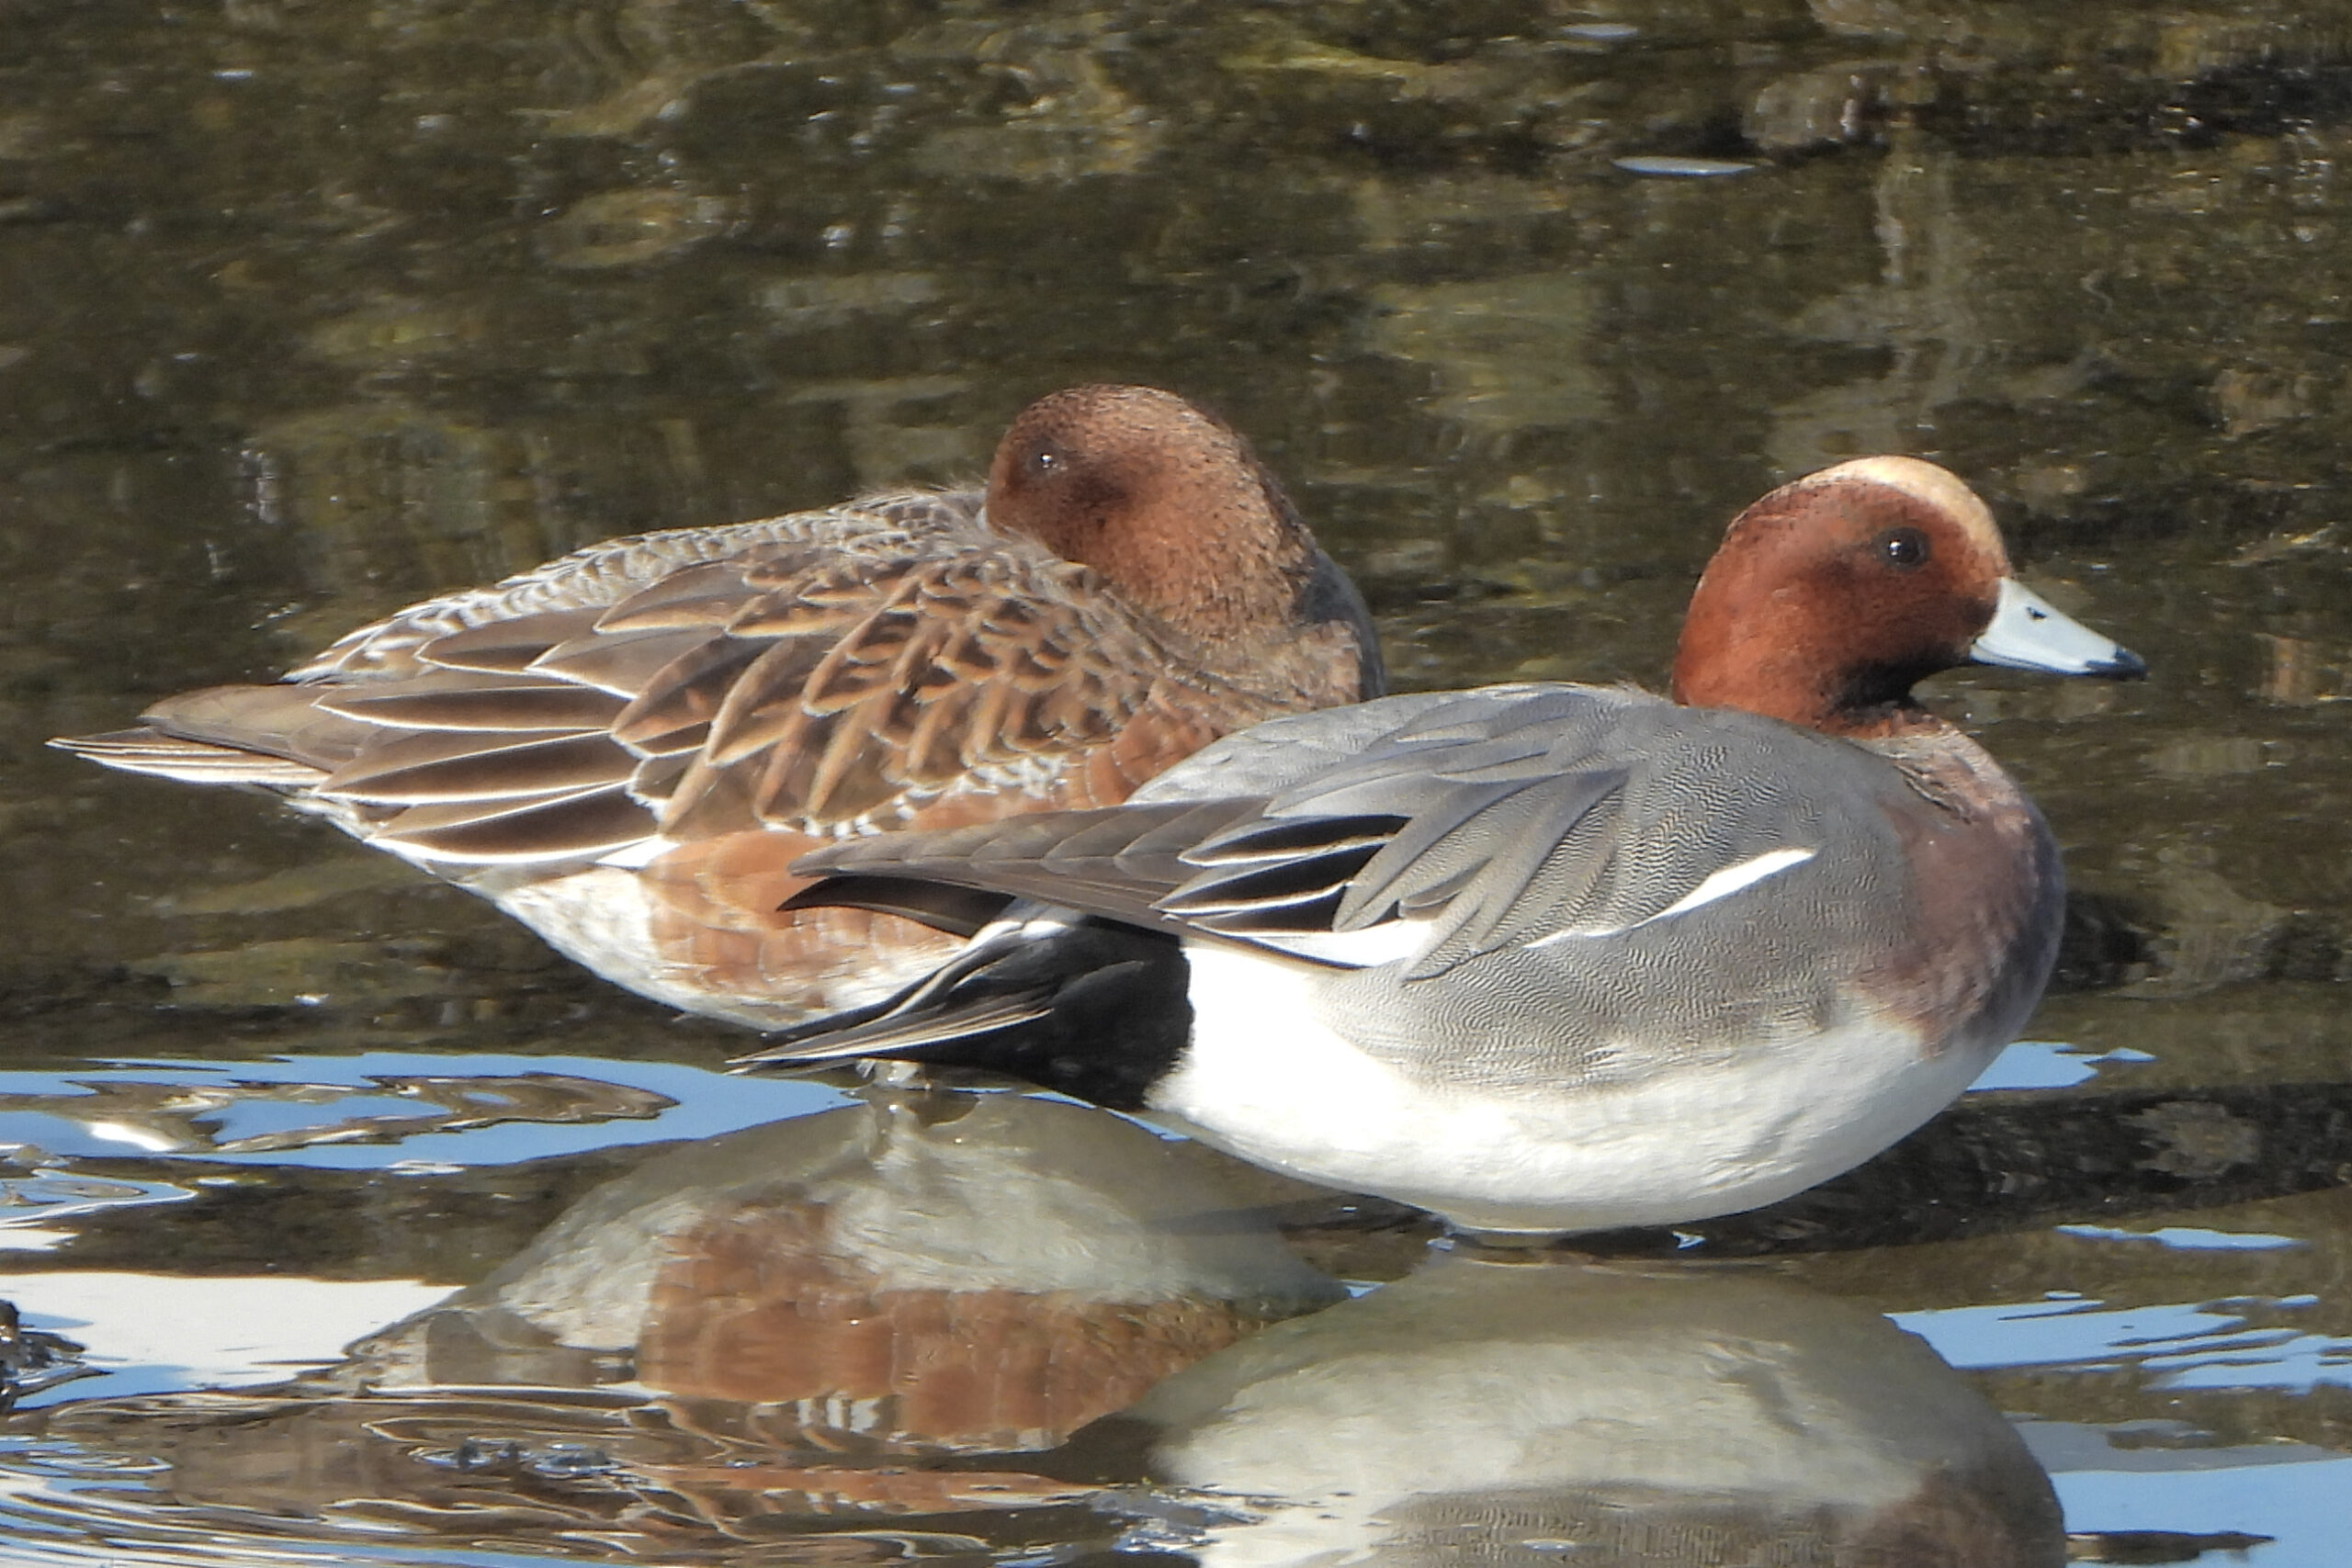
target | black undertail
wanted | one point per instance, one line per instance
(1099, 1011)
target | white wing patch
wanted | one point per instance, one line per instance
(1731, 879)
(1715, 885)
(641, 854)
(1389, 941)
(1402, 941)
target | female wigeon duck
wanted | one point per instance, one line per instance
(1553, 958)
(627, 748)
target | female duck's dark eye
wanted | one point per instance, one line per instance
(1906, 549)
(1044, 458)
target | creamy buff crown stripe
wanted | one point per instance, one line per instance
(1924, 481)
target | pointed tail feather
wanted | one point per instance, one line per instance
(162, 756)
(276, 737)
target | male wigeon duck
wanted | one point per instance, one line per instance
(627, 748)
(1556, 958)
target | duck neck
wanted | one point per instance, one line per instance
(1769, 658)
(1223, 577)
(1198, 557)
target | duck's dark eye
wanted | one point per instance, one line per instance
(1906, 549)
(1044, 460)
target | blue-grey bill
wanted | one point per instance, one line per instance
(2029, 633)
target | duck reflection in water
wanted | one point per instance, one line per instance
(833, 1324)
(921, 1272)
(1527, 1412)
(928, 1316)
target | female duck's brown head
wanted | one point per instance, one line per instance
(1831, 597)
(1169, 504)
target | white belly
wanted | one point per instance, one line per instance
(1268, 1079)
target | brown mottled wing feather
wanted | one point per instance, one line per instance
(884, 668)
(502, 626)
(937, 687)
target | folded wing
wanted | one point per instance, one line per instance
(817, 674)
(1513, 818)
